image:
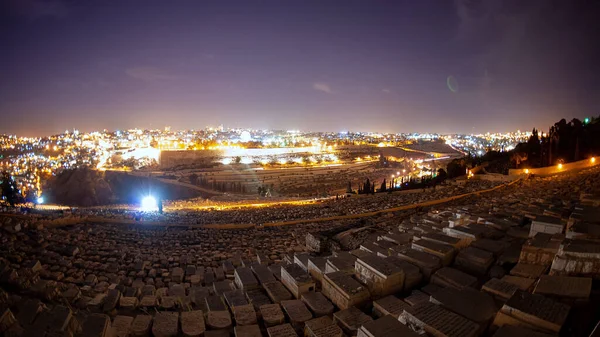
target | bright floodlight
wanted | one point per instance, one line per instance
(149, 204)
(40, 200)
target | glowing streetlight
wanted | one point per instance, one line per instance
(149, 204)
(40, 200)
(560, 166)
(526, 171)
(593, 159)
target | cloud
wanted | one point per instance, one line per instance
(324, 87)
(149, 74)
(387, 91)
(37, 9)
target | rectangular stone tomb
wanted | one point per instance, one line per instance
(437, 321)
(215, 303)
(500, 289)
(121, 326)
(521, 283)
(235, 298)
(450, 277)
(322, 327)
(343, 263)
(296, 311)
(444, 252)
(257, 297)
(218, 319)
(192, 323)
(297, 280)
(318, 304)
(244, 279)
(263, 274)
(272, 314)
(455, 243)
(474, 260)
(386, 326)
(381, 277)
(472, 304)
(535, 310)
(166, 324)
(390, 305)
(343, 290)
(283, 330)
(412, 274)
(247, 331)
(427, 263)
(96, 325)
(277, 292)
(351, 319)
(532, 271)
(141, 325)
(244, 315)
(316, 267)
(564, 286)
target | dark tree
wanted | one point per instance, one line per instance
(349, 188)
(383, 187)
(193, 178)
(10, 193)
(237, 159)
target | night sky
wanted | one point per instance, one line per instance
(318, 65)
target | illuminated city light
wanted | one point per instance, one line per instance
(593, 160)
(149, 204)
(40, 200)
(526, 171)
(560, 166)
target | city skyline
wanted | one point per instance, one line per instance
(463, 67)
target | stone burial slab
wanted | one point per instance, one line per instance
(427, 263)
(438, 321)
(532, 271)
(500, 289)
(121, 326)
(316, 267)
(296, 311)
(197, 295)
(257, 297)
(177, 290)
(220, 287)
(416, 297)
(215, 303)
(263, 273)
(96, 325)
(7, 320)
(523, 283)
(272, 314)
(474, 260)
(412, 274)
(493, 246)
(389, 305)
(350, 320)
(283, 330)
(128, 303)
(381, 276)
(296, 279)
(247, 331)
(111, 300)
(317, 303)
(192, 323)
(166, 324)
(343, 290)
(343, 263)
(235, 298)
(140, 327)
(277, 292)
(322, 327)
(535, 310)
(564, 286)
(450, 277)
(444, 252)
(444, 239)
(148, 301)
(218, 319)
(244, 314)
(472, 304)
(245, 279)
(386, 326)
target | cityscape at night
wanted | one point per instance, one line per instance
(313, 168)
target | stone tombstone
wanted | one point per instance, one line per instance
(218, 319)
(277, 292)
(141, 326)
(166, 324)
(390, 305)
(192, 323)
(351, 319)
(96, 325)
(437, 321)
(244, 315)
(384, 327)
(247, 331)
(121, 326)
(317, 303)
(283, 330)
(272, 314)
(296, 311)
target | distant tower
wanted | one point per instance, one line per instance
(167, 129)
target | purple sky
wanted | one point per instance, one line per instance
(318, 65)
